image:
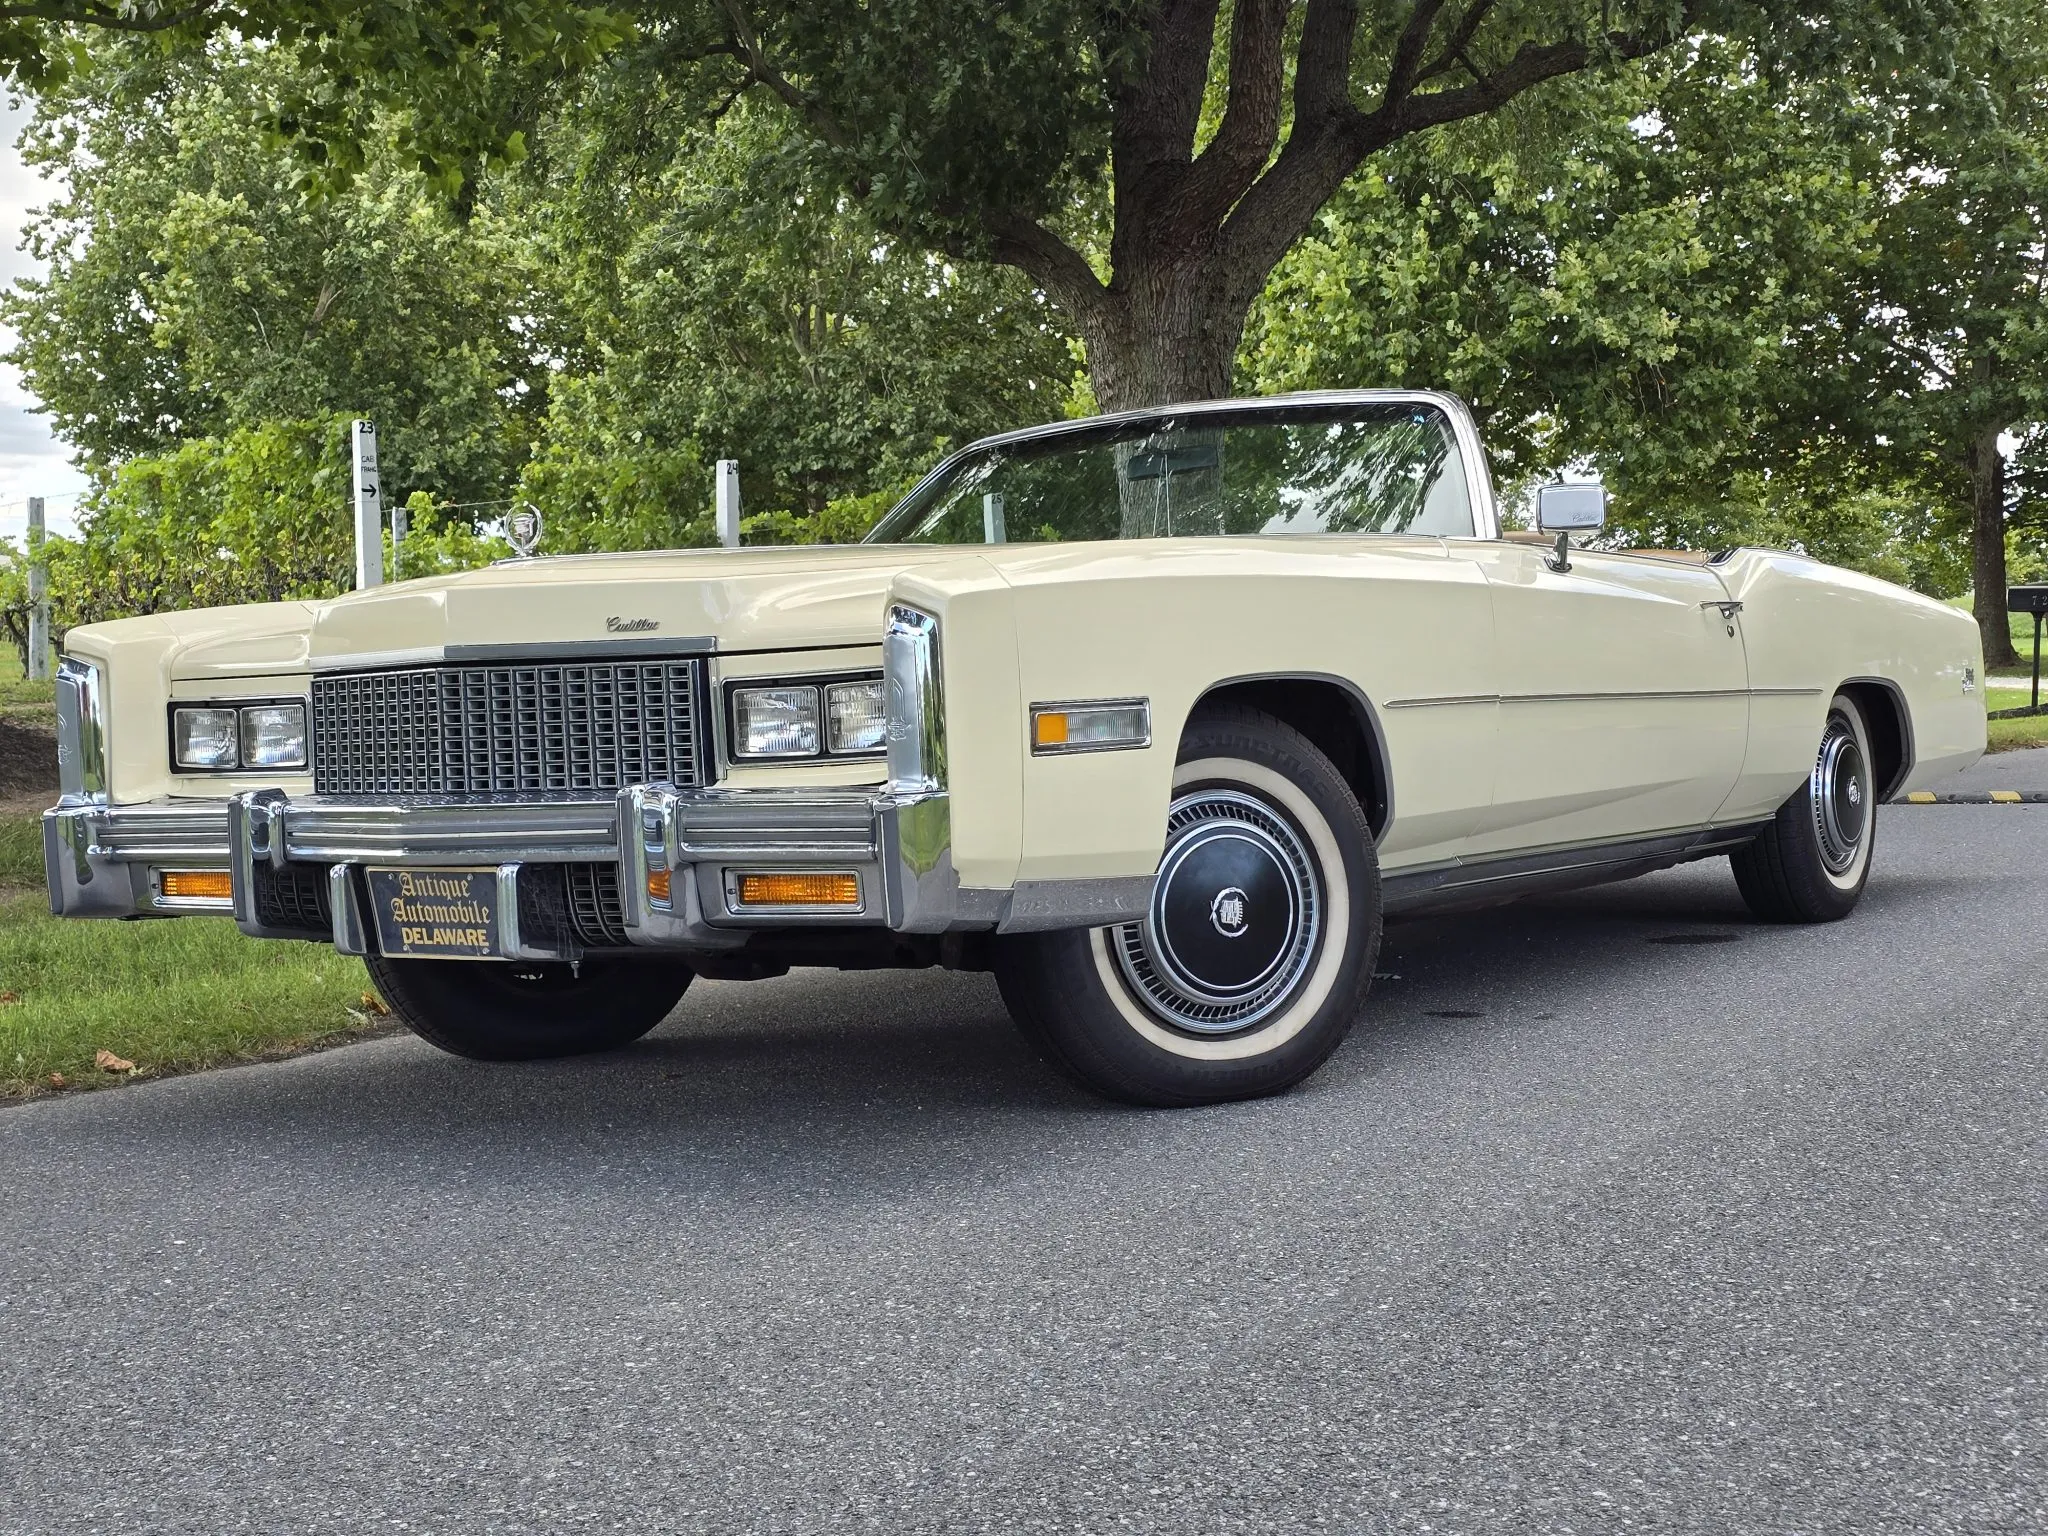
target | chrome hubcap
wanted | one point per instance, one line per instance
(1841, 797)
(1234, 917)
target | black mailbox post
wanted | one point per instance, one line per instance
(2032, 600)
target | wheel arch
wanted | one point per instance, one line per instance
(1333, 713)
(1884, 708)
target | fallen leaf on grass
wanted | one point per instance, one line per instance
(9, 997)
(107, 1061)
(56, 1079)
(372, 1003)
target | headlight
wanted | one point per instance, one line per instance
(204, 738)
(856, 717)
(848, 717)
(274, 736)
(222, 738)
(775, 722)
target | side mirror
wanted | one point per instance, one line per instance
(1568, 509)
(1571, 508)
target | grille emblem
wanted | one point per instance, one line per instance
(618, 626)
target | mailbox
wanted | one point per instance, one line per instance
(2030, 599)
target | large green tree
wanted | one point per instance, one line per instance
(726, 303)
(989, 131)
(1631, 281)
(192, 289)
(1943, 356)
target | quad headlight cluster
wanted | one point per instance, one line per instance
(232, 737)
(785, 721)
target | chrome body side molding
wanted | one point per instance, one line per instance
(1485, 883)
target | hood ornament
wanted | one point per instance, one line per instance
(522, 528)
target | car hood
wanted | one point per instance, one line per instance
(727, 600)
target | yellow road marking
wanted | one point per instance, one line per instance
(1921, 797)
(2005, 797)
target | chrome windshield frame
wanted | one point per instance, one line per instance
(1479, 490)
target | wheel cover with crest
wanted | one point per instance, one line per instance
(1234, 917)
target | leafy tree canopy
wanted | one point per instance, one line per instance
(1218, 130)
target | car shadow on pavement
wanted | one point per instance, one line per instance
(891, 1078)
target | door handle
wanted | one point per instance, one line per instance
(1729, 608)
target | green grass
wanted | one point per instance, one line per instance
(170, 996)
(16, 689)
(2027, 731)
(21, 851)
(2010, 735)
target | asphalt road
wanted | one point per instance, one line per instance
(1619, 1213)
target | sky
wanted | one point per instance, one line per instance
(32, 462)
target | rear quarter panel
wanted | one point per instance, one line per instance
(1808, 628)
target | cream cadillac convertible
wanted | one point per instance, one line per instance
(1155, 715)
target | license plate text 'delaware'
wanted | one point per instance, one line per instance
(443, 914)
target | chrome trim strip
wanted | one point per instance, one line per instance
(1510, 876)
(517, 650)
(1619, 695)
(324, 831)
(165, 831)
(1442, 699)
(1606, 697)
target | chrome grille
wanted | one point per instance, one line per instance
(552, 728)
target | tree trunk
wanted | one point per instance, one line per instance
(1987, 551)
(1164, 336)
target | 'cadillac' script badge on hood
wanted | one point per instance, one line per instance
(522, 528)
(618, 626)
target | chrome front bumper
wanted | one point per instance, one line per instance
(107, 861)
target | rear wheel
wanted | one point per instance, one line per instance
(1811, 864)
(1253, 958)
(523, 1011)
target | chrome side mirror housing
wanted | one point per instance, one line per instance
(1568, 509)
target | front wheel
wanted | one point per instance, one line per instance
(1253, 958)
(524, 1011)
(1811, 864)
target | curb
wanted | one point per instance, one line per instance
(1976, 797)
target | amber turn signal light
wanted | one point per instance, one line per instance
(835, 889)
(658, 884)
(1106, 725)
(201, 884)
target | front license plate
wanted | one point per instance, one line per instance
(441, 914)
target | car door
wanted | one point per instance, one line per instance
(1623, 697)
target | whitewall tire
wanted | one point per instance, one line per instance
(1811, 864)
(1255, 954)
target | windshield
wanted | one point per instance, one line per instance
(1349, 468)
